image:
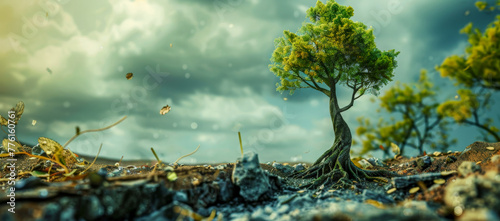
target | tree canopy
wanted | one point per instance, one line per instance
(419, 124)
(331, 50)
(480, 65)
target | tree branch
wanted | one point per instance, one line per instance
(324, 91)
(353, 97)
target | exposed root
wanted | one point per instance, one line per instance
(337, 170)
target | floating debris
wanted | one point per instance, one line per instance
(165, 110)
(33, 122)
(129, 76)
(48, 70)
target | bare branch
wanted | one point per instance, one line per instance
(353, 97)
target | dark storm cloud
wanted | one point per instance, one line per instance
(215, 75)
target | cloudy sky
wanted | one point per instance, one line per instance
(208, 60)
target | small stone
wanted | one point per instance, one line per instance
(364, 163)
(283, 168)
(423, 162)
(451, 159)
(37, 150)
(375, 161)
(299, 167)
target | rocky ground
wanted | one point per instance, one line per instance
(439, 186)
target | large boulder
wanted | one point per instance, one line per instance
(250, 178)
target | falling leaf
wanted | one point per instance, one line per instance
(129, 76)
(285, 99)
(3, 121)
(395, 149)
(165, 110)
(479, 162)
(6, 145)
(171, 45)
(490, 148)
(414, 189)
(48, 70)
(439, 181)
(18, 111)
(49, 146)
(391, 190)
(33, 122)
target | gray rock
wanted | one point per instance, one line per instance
(375, 161)
(180, 197)
(474, 192)
(451, 159)
(424, 162)
(284, 168)
(365, 163)
(37, 150)
(250, 178)
(299, 167)
(468, 167)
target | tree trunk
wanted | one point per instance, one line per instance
(335, 165)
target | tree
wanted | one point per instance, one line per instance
(478, 74)
(329, 52)
(420, 125)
